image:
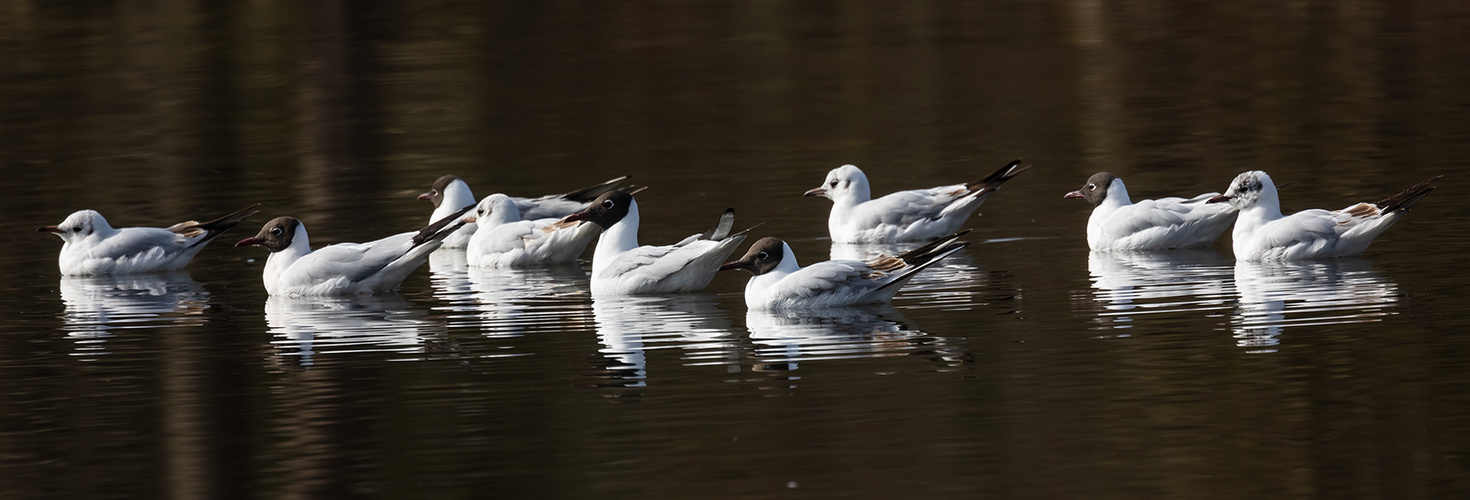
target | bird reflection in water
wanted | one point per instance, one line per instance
(785, 338)
(954, 284)
(1132, 285)
(98, 306)
(1277, 295)
(308, 327)
(630, 326)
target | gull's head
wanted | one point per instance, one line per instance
(441, 186)
(606, 210)
(763, 257)
(78, 225)
(494, 209)
(846, 182)
(1096, 188)
(277, 234)
(1247, 189)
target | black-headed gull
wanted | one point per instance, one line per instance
(781, 283)
(293, 269)
(504, 240)
(450, 193)
(621, 267)
(1263, 233)
(1118, 224)
(92, 246)
(917, 215)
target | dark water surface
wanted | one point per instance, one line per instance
(1024, 368)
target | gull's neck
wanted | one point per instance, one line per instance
(621, 237)
(457, 195)
(279, 262)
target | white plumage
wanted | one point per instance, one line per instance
(1118, 224)
(93, 247)
(916, 215)
(1263, 233)
(449, 194)
(621, 267)
(294, 269)
(504, 240)
(781, 283)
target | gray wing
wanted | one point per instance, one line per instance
(133, 241)
(354, 261)
(904, 208)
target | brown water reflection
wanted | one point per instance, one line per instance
(1003, 374)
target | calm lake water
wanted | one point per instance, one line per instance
(1023, 368)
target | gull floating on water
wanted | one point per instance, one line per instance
(93, 247)
(621, 267)
(504, 240)
(781, 283)
(450, 193)
(293, 269)
(1263, 233)
(916, 215)
(1118, 224)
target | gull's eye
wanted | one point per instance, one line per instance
(607, 203)
(276, 231)
(834, 182)
(1092, 186)
(762, 256)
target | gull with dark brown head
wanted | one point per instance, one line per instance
(1119, 224)
(93, 247)
(781, 283)
(294, 269)
(620, 266)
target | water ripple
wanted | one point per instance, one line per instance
(309, 327)
(783, 339)
(1129, 285)
(629, 327)
(1275, 296)
(97, 307)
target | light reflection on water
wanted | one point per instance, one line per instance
(1131, 285)
(629, 327)
(307, 328)
(506, 302)
(98, 307)
(1276, 295)
(783, 339)
(1257, 300)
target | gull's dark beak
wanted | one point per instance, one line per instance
(1074, 195)
(426, 197)
(815, 192)
(49, 229)
(248, 242)
(1219, 198)
(739, 264)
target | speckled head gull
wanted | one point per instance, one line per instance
(1263, 233)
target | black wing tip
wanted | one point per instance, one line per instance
(232, 219)
(437, 230)
(589, 193)
(940, 245)
(1408, 197)
(995, 179)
